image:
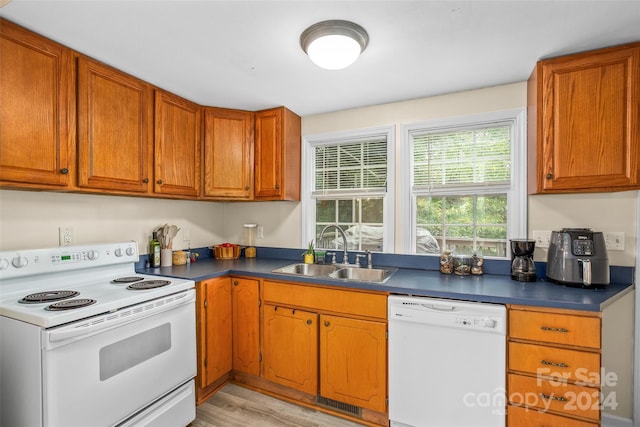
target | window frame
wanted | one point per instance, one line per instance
(308, 211)
(516, 190)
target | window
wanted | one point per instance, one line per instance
(467, 184)
(347, 185)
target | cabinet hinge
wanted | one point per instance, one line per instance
(260, 358)
(205, 362)
(386, 334)
(205, 303)
(386, 401)
(259, 302)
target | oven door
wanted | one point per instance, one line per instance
(104, 370)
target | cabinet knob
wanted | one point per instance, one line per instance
(159, 182)
(146, 180)
(326, 323)
(235, 283)
(64, 171)
(549, 176)
(277, 186)
(308, 321)
(246, 188)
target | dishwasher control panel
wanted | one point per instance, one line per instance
(463, 315)
(477, 322)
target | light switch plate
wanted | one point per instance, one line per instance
(542, 238)
(614, 240)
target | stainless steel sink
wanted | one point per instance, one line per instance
(301, 269)
(338, 271)
(378, 275)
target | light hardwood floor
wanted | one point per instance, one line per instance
(235, 406)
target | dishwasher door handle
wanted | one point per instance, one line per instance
(440, 307)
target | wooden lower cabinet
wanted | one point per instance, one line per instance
(214, 335)
(245, 297)
(353, 359)
(519, 416)
(569, 368)
(328, 344)
(290, 348)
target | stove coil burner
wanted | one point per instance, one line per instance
(48, 296)
(129, 279)
(71, 304)
(148, 284)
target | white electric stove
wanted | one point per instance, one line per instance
(87, 341)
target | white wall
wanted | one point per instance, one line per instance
(31, 219)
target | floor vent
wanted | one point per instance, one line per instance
(340, 406)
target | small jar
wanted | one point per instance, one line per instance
(446, 262)
(462, 265)
(179, 258)
(476, 264)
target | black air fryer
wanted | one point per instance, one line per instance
(578, 257)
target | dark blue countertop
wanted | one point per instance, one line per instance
(492, 288)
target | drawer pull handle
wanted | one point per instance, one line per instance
(547, 328)
(552, 397)
(559, 365)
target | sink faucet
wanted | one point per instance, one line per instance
(367, 255)
(345, 256)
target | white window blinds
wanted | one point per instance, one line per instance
(356, 165)
(466, 157)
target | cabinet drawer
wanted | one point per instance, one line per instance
(555, 328)
(327, 299)
(518, 417)
(556, 396)
(575, 365)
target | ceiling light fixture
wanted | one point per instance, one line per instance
(334, 44)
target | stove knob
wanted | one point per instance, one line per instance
(490, 323)
(4, 264)
(19, 261)
(92, 255)
(119, 252)
(130, 251)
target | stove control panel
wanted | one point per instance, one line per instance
(40, 261)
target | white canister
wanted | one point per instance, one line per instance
(166, 257)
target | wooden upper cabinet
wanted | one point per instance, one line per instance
(177, 146)
(584, 132)
(228, 154)
(37, 105)
(115, 129)
(277, 151)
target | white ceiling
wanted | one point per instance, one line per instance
(246, 54)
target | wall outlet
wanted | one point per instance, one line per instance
(260, 233)
(186, 234)
(65, 236)
(614, 240)
(542, 238)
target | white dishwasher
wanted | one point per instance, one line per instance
(447, 363)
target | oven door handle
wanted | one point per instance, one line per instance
(121, 317)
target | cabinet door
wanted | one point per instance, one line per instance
(246, 325)
(228, 154)
(214, 330)
(353, 361)
(115, 129)
(177, 146)
(37, 103)
(588, 137)
(290, 348)
(277, 151)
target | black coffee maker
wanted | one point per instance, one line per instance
(523, 268)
